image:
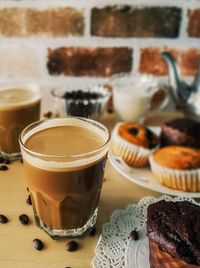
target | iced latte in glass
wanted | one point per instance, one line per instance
(64, 162)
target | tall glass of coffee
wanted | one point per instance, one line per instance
(19, 107)
(64, 160)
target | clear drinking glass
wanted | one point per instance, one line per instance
(19, 107)
(135, 96)
(64, 182)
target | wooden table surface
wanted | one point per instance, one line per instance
(16, 248)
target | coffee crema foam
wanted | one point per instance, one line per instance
(42, 158)
(18, 96)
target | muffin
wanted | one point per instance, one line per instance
(180, 131)
(177, 167)
(133, 143)
(173, 230)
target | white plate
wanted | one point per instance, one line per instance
(144, 177)
(115, 249)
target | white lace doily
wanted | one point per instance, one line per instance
(137, 252)
(111, 250)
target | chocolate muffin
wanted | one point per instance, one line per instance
(173, 229)
(180, 131)
(160, 259)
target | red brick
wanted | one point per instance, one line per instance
(50, 22)
(77, 61)
(190, 59)
(55, 22)
(125, 21)
(11, 22)
(152, 63)
(194, 23)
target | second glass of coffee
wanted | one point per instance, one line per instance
(19, 107)
(64, 162)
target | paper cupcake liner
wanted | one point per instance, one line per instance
(133, 155)
(160, 258)
(185, 180)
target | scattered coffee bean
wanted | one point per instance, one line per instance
(92, 231)
(72, 246)
(134, 235)
(27, 189)
(6, 160)
(48, 114)
(24, 219)
(3, 167)
(3, 219)
(38, 244)
(21, 160)
(1, 159)
(28, 200)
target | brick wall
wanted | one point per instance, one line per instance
(58, 41)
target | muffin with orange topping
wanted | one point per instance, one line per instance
(133, 143)
(177, 167)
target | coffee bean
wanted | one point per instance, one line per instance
(3, 167)
(134, 235)
(72, 246)
(6, 160)
(21, 160)
(48, 114)
(3, 219)
(38, 244)
(27, 189)
(92, 231)
(28, 200)
(24, 219)
(1, 159)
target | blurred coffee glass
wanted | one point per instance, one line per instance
(134, 97)
(64, 160)
(19, 106)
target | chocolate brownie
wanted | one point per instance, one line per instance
(175, 228)
(160, 259)
(180, 131)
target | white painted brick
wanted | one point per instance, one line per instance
(26, 57)
(19, 60)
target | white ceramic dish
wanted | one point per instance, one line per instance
(144, 177)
